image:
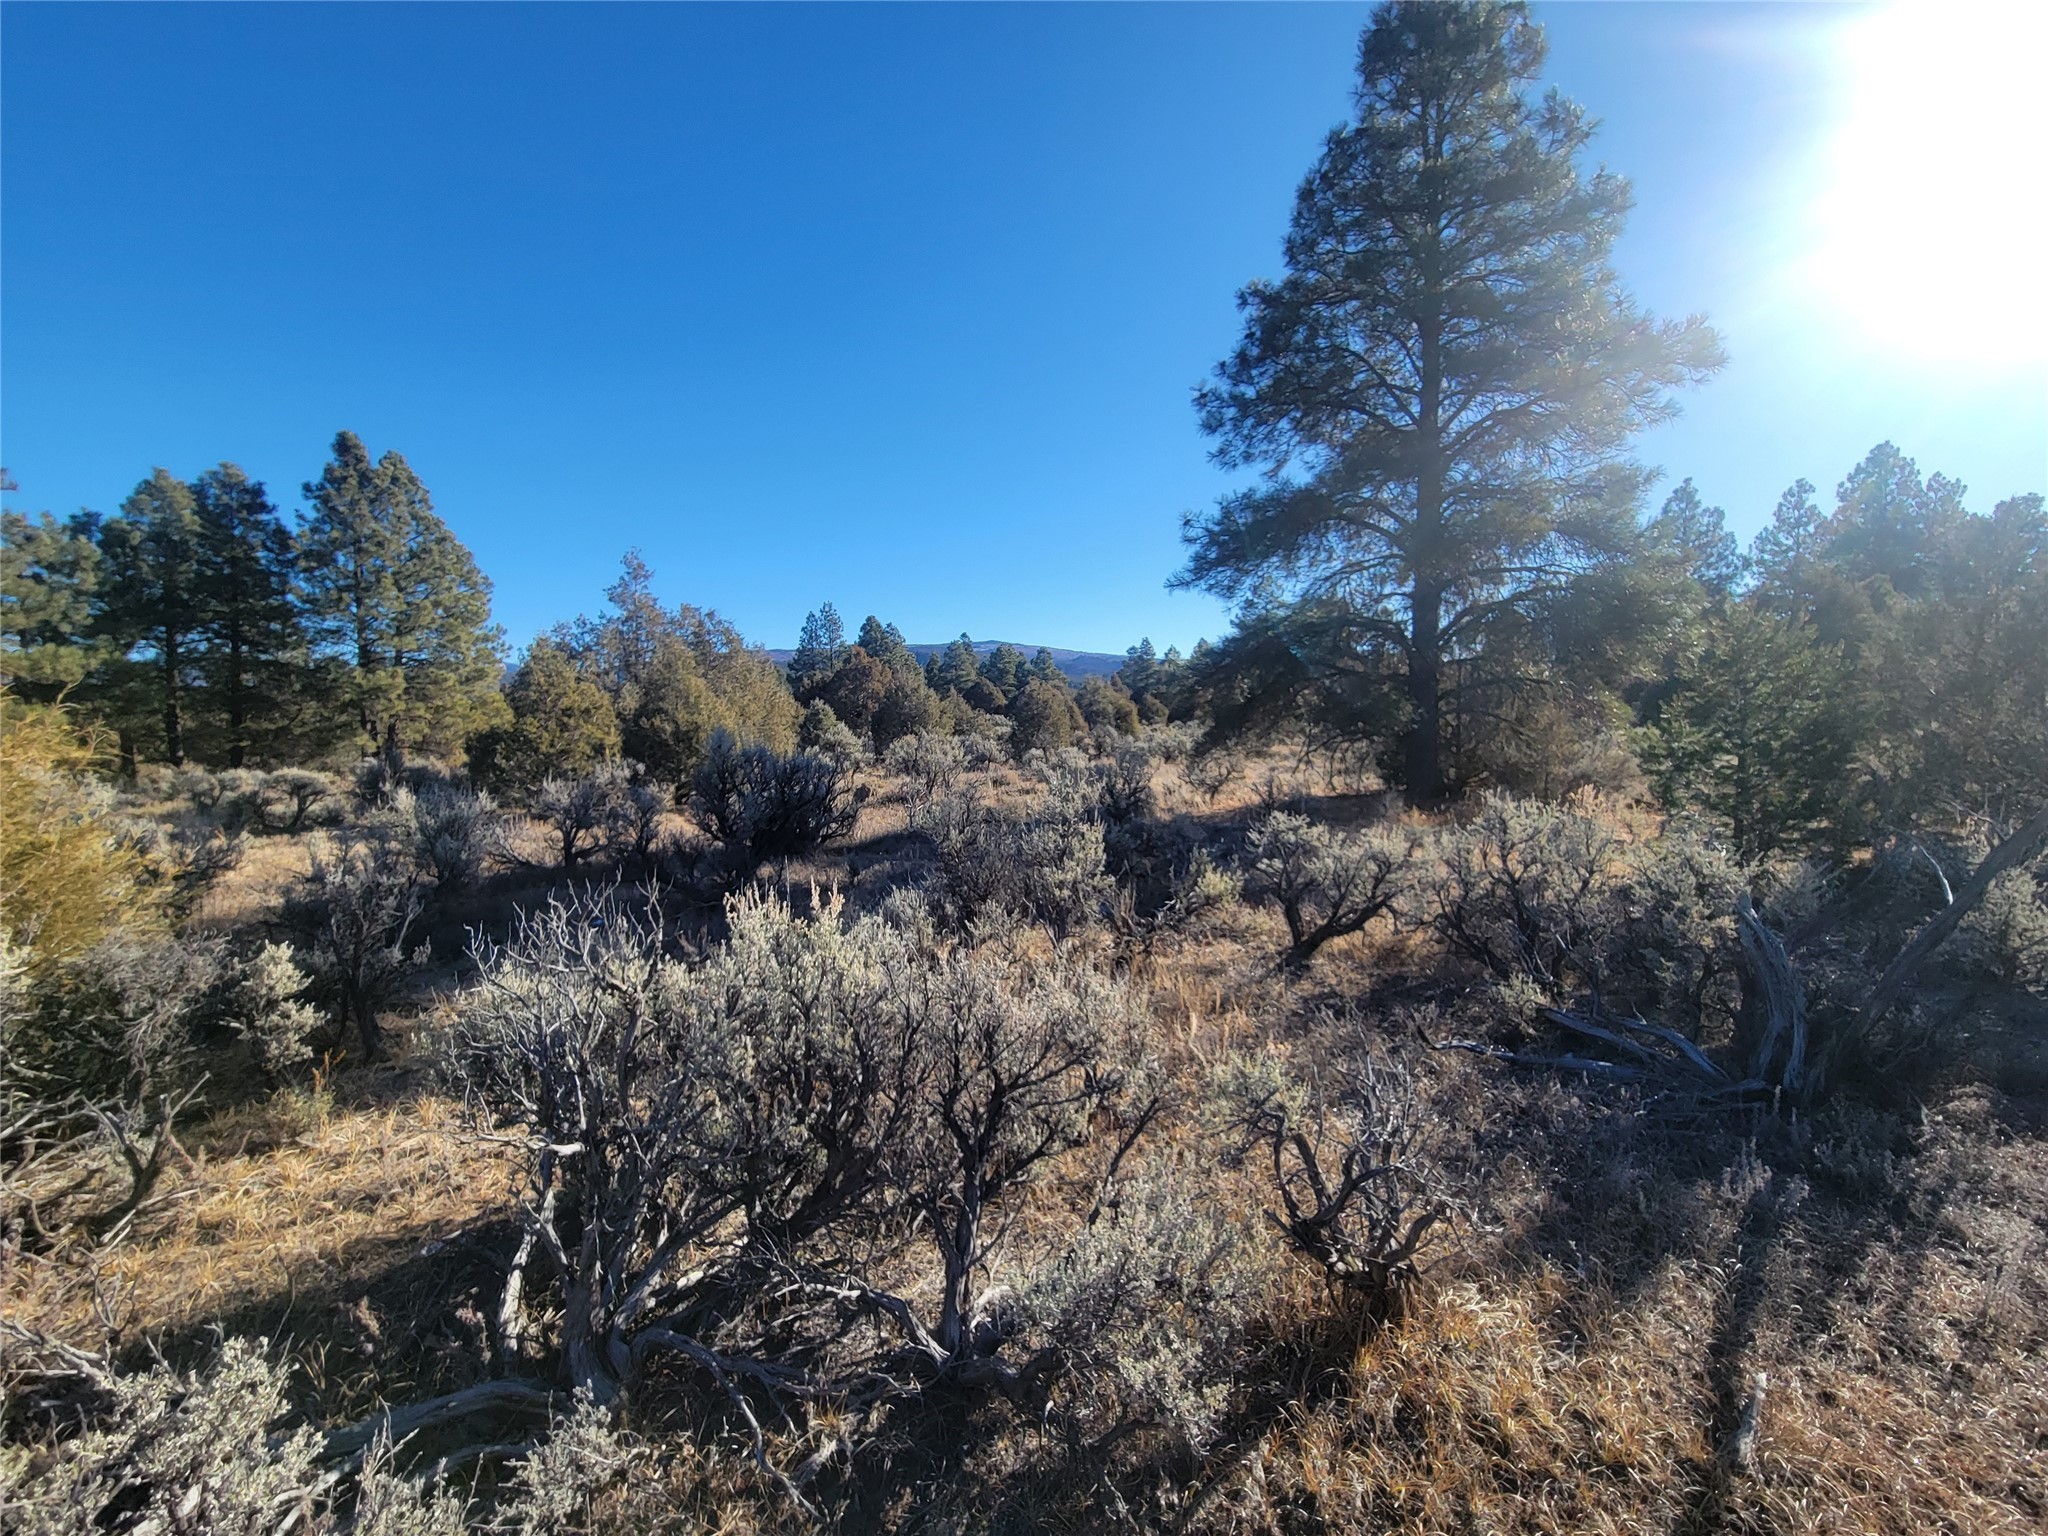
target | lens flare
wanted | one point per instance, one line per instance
(1929, 226)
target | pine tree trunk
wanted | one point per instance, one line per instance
(238, 707)
(1424, 768)
(174, 722)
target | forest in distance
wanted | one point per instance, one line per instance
(1541, 1026)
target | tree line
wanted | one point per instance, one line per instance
(199, 626)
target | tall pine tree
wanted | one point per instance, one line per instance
(150, 602)
(254, 648)
(1441, 390)
(393, 593)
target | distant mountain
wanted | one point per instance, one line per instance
(1076, 664)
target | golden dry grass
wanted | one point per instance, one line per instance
(1577, 1362)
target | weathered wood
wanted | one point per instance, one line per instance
(1774, 984)
(2012, 853)
(412, 1418)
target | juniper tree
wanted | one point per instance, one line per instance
(1442, 388)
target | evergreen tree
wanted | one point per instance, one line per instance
(886, 644)
(1044, 669)
(150, 600)
(1760, 732)
(1043, 718)
(561, 723)
(1004, 668)
(856, 691)
(1697, 537)
(391, 591)
(955, 669)
(253, 641)
(1783, 550)
(1442, 389)
(675, 678)
(820, 648)
(48, 572)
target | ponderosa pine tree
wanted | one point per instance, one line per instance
(1441, 390)
(1697, 537)
(954, 669)
(1004, 668)
(886, 644)
(48, 572)
(150, 601)
(254, 644)
(820, 648)
(390, 590)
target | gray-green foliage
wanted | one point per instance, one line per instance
(929, 764)
(289, 799)
(1326, 882)
(218, 1452)
(1358, 1194)
(748, 1132)
(447, 831)
(757, 804)
(826, 734)
(2006, 937)
(1149, 1304)
(1044, 866)
(356, 911)
(1557, 897)
(584, 810)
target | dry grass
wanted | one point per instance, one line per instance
(1579, 1362)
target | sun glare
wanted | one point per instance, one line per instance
(1929, 225)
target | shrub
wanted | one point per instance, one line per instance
(825, 734)
(1357, 1196)
(1148, 1306)
(68, 878)
(2006, 937)
(293, 798)
(1555, 896)
(636, 828)
(449, 832)
(796, 1094)
(584, 811)
(269, 1012)
(1209, 772)
(356, 910)
(930, 764)
(1326, 883)
(757, 805)
(1046, 867)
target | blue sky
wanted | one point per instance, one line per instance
(899, 307)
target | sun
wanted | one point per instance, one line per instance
(1928, 231)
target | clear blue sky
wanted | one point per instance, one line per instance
(899, 307)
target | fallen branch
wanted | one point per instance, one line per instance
(2012, 853)
(402, 1423)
